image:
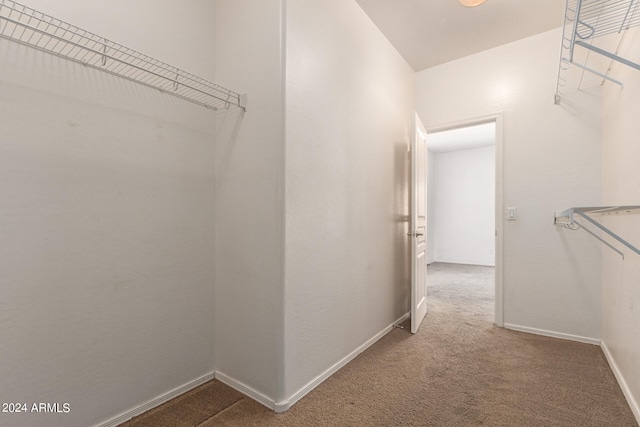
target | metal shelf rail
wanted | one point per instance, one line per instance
(566, 219)
(593, 32)
(32, 28)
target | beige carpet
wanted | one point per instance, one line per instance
(458, 370)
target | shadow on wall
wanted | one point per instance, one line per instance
(402, 252)
(227, 129)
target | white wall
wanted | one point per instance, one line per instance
(348, 109)
(114, 217)
(464, 206)
(621, 293)
(348, 103)
(106, 261)
(177, 35)
(551, 162)
(431, 212)
(250, 198)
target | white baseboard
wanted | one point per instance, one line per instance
(552, 334)
(631, 400)
(246, 390)
(278, 407)
(138, 410)
(633, 403)
(478, 264)
(285, 405)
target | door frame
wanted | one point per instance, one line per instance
(498, 118)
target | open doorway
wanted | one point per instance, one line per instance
(464, 199)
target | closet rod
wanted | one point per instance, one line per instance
(30, 27)
(608, 55)
(566, 219)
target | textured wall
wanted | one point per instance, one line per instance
(250, 197)
(621, 177)
(349, 102)
(551, 162)
(106, 261)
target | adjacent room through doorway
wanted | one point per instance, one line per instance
(461, 202)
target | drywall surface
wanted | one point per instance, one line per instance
(621, 151)
(431, 212)
(106, 261)
(349, 102)
(250, 197)
(464, 206)
(551, 162)
(175, 33)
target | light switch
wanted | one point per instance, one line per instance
(512, 214)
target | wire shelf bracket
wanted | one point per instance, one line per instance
(32, 28)
(593, 32)
(567, 219)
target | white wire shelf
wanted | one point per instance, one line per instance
(38, 30)
(592, 35)
(567, 219)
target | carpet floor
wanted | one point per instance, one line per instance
(458, 370)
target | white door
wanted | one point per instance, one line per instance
(418, 227)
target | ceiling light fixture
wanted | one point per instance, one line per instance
(471, 3)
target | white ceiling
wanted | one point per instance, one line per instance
(432, 32)
(466, 138)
